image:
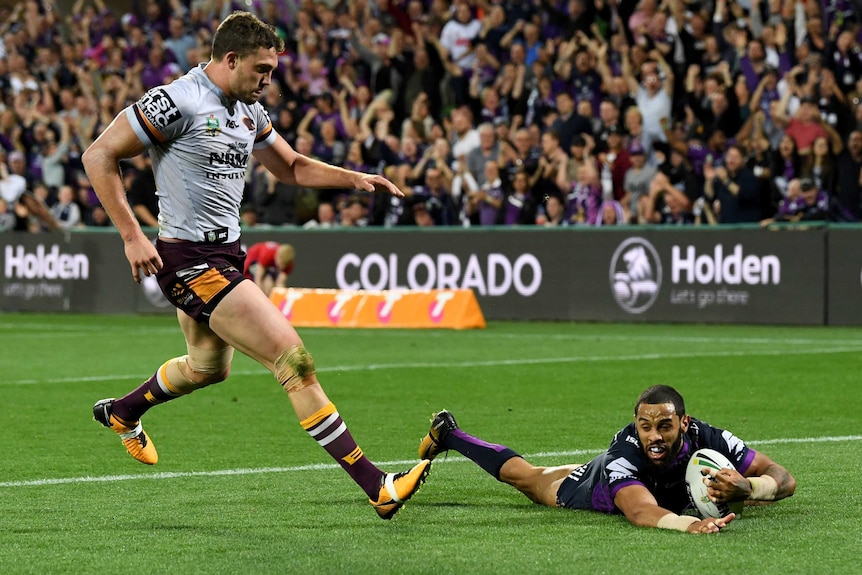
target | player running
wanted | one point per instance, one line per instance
(201, 130)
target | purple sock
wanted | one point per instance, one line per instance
(488, 456)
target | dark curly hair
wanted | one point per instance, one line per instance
(662, 394)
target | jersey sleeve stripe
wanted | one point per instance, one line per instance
(264, 134)
(150, 130)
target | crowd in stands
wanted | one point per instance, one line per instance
(484, 112)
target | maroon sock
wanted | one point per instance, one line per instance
(134, 404)
(329, 430)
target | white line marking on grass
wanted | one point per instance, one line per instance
(466, 364)
(25, 329)
(328, 466)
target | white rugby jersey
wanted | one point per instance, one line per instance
(200, 144)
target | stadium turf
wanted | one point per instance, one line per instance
(241, 488)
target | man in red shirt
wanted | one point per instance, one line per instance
(268, 264)
(805, 125)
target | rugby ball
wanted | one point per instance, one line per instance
(710, 459)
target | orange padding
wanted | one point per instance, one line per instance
(452, 309)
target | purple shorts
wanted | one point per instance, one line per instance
(196, 276)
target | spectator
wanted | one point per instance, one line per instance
(483, 204)
(7, 216)
(682, 183)
(552, 161)
(457, 37)
(541, 103)
(819, 166)
(613, 164)
(325, 217)
(846, 61)
(421, 217)
(12, 185)
(437, 199)
(568, 123)
(493, 109)
(353, 213)
(142, 192)
(511, 88)
(786, 165)
(666, 204)
(583, 196)
(636, 185)
(519, 206)
(464, 137)
(848, 168)
(274, 201)
(522, 156)
(66, 211)
(580, 153)
(180, 42)
(634, 127)
(654, 92)
(805, 125)
(609, 120)
(54, 156)
(423, 76)
(732, 189)
(610, 214)
(804, 202)
(553, 212)
(488, 150)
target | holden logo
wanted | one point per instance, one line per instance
(635, 275)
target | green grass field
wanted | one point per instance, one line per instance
(241, 488)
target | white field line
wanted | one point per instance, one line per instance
(469, 364)
(329, 466)
(42, 330)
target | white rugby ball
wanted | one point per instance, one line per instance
(709, 459)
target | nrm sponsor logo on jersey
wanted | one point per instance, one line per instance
(235, 160)
(718, 267)
(44, 264)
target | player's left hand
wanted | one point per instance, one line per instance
(376, 183)
(725, 485)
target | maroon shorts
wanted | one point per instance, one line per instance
(196, 276)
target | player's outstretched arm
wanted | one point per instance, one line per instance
(101, 162)
(764, 480)
(293, 168)
(641, 509)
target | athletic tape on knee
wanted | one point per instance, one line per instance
(294, 369)
(210, 363)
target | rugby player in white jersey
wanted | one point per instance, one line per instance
(200, 131)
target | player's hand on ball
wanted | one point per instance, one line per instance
(725, 485)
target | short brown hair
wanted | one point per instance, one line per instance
(244, 33)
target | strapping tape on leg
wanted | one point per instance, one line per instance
(294, 369)
(211, 363)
